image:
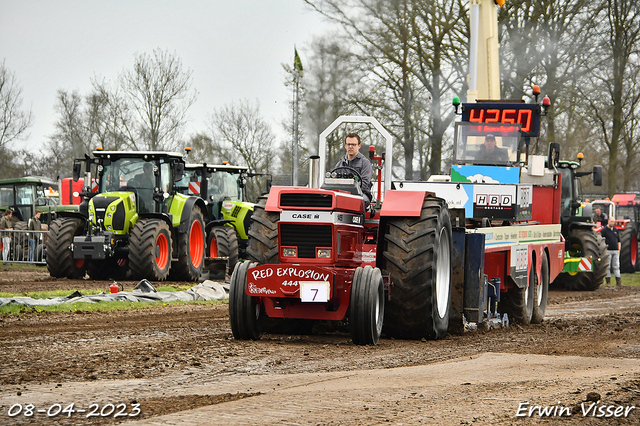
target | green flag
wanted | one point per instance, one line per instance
(297, 63)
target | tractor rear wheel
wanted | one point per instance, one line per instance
(585, 243)
(263, 235)
(366, 310)
(190, 247)
(223, 242)
(628, 250)
(417, 254)
(244, 310)
(150, 250)
(541, 291)
(518, 303)
(60, 261)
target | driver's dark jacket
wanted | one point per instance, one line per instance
(363, 166)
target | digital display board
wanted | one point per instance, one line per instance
(526, 115)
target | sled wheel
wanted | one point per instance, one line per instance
(541, 291)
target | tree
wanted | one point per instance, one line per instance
(147, 107)
(240, 135)
(14, 121)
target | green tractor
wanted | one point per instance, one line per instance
(227, 216)
(582, 242)
(136, 222)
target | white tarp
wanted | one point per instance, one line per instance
(143, 292)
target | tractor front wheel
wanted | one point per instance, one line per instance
(150, 250)
(60, 261)
(366, 309)
(223, 242)
(190, 246)
(628, 250)
(244, 310)
(417, 254)
(585, 243)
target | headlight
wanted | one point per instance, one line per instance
(324, 253)
(290, 252)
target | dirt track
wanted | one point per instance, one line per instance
(174, 359)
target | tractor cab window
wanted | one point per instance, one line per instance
(26, 194)
(484, 144)
(126, 174)
(224, 186)
(6, 196)
(165, 177)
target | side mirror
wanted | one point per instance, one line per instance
(597, 175)
(178, 171)
(554, 155)
(77, 169)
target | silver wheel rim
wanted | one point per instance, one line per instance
(443, 273)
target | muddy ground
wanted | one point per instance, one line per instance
(181, 364)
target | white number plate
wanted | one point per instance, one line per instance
(314, 291)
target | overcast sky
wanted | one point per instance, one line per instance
(235, 49)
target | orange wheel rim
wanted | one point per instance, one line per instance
(196, 243)
(213, 248)
(162, 251)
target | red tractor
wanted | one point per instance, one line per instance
(317, 253)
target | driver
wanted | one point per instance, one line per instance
(359, 162)
(490, 153)
(146, 179)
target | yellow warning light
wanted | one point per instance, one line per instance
(225, 162)
(580, 156)
(499, 2)
(187, 148)
(99, 148)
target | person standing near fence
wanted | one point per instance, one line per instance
(7, 225)
(612, 238)
(34, 237)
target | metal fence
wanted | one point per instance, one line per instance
(18, 246)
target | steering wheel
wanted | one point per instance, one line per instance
(349, 169)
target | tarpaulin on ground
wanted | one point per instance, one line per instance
(143, 292)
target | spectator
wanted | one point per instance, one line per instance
(612, 238)
(34, 237)
(354, 159)
(7, 225)
(601, 217)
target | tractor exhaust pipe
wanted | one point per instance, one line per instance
(314, 171)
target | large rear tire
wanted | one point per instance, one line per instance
(190, 247)
(585, 243)
(150, 250)
(541, 291)
(417, 254)
(223, 242)
(263, 235)
(628, 250)
(244, 311)
(366, 308)
(60, 261)
(518, 303)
